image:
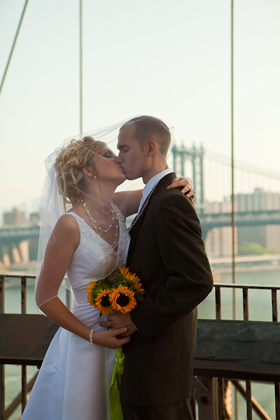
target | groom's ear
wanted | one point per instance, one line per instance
(151, 147)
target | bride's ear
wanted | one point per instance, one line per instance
(87, 170)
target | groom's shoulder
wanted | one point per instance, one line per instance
(173, 197)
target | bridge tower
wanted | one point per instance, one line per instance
(195, 156)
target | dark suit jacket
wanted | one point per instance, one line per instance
(167, 253)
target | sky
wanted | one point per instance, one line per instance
(167, 58)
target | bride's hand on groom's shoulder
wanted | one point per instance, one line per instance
(187, 185)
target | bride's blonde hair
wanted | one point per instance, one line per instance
(69, 166)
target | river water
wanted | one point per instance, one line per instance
(259, 309)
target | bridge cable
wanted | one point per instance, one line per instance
(232, 159)
(81, 66)
(232, 184)
(242, 165)
(13, 46)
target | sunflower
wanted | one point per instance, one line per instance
(126, 274)
(123, 299)
(137, 285)
(124, 271)
(90, 290)
(103, 302)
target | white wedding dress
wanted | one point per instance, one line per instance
(73, 382)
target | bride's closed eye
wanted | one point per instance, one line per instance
(108, 154)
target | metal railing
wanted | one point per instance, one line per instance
(220, 384)
(25, 387)
(245, 294)
(207, 389)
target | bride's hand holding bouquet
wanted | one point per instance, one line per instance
(115, 296)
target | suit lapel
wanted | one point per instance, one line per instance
(134, 232)
(136, 224)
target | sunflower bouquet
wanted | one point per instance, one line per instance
(118, 292)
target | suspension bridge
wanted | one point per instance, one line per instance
(257, 196)
(257, 191)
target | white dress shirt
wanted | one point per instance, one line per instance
(151, 184)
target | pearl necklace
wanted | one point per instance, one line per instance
(98, 228)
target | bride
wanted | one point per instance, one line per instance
(87, 242)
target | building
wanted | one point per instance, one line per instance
(218, 241)
(34, 218)
(14, 218)
(260, 200)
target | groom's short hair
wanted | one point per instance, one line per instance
(151, 128)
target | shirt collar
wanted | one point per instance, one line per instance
(151, 184)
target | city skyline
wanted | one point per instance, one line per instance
(257, 235)
(257, 200)
(220, 196)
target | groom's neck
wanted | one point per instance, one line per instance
(154, 170)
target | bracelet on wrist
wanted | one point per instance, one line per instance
(90, 338)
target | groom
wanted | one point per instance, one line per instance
(167, 253)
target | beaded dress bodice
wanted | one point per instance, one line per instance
(95, 258)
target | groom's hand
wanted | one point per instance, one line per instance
(117, 321)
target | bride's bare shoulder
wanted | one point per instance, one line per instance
(68, 223)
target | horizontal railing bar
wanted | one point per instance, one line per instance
(248, 286)
(226, 285)
(19, 276)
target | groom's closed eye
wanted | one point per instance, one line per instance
(123, 149)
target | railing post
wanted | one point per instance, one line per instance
(23, 367)
(204, 390)
(221, 399)
(2, 294)
(2, 391)
(245, 304)
(23, 294)
(68, 298)
(277, 401)
(218, 302)
(274, 305)
(2, 367)
(249, 400)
